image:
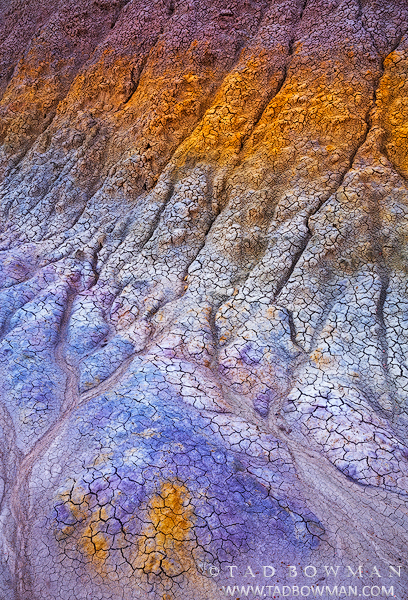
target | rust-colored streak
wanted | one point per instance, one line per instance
(162, 546)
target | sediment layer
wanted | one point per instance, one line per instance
(204, 313)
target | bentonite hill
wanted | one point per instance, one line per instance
(203, 306)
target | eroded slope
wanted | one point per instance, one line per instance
(203, 293)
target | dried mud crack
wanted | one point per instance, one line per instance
(203, 298)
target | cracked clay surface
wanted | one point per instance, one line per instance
(203, 296)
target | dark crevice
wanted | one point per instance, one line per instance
(125, 233)
(292, 328)
(171, 8)
(154, 224)
(135, 77)
(215, 366)
(95, 261)
(381, 322)
(5, 325)
(117, 13)
(157, 217)
(343, 177)
(383, 342)
(281, 82)
(286, 276)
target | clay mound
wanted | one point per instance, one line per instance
(203, 296)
